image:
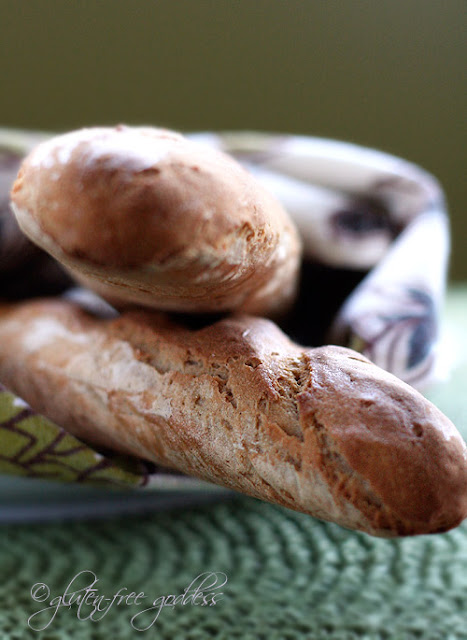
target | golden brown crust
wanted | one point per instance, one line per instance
(321, 431)
(144, 215)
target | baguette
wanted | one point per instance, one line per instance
(322, 431)
(145, 216)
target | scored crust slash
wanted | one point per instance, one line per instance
(148, 219)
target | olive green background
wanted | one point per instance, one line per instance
(387, 73)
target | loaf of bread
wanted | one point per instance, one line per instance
(322, 431)
(145, 216)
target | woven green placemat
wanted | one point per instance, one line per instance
(289, 576)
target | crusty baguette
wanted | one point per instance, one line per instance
(146, 216)
(321, 431)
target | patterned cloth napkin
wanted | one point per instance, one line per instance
(376, 243)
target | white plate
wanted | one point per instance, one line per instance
(32, 500)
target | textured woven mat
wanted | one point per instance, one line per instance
(288, 576)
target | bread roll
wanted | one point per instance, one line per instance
(145, 216)
(321, 431)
